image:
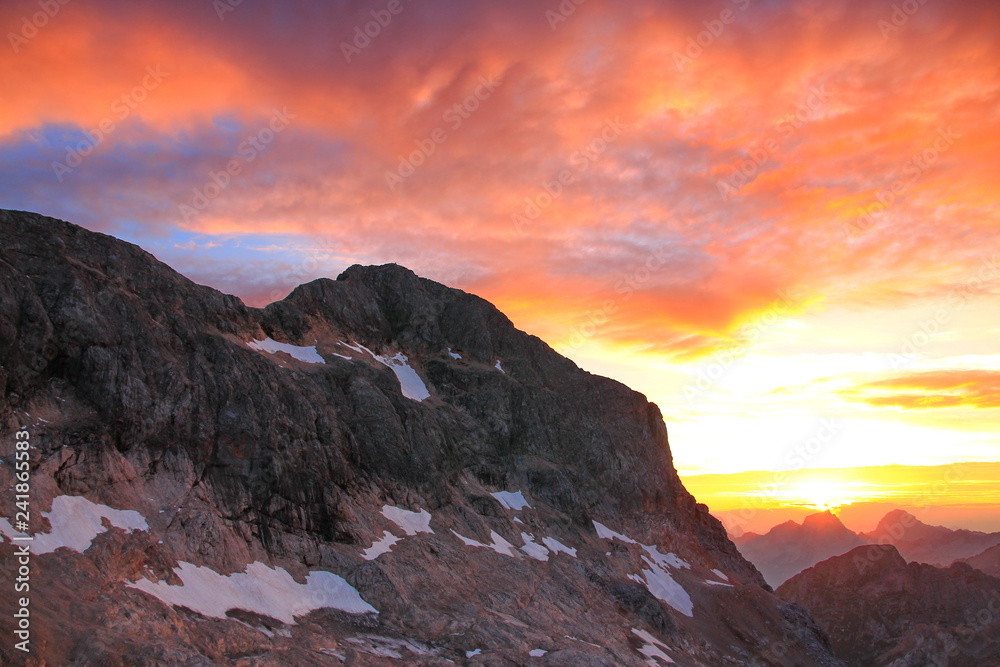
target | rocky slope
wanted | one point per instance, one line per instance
(935, 545)
(789, 548)
(880, 610)
(375, 470)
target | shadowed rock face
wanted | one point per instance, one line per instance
(880, 610)
(145, 392)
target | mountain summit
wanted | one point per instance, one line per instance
(376, 468)
(936, 545)
(789, 548)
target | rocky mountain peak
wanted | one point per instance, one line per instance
(386, 462)
(824, 522)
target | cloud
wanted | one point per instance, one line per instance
(934, 389)
(811, 115)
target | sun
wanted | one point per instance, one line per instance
(821, 495)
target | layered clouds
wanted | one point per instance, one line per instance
(648, 182)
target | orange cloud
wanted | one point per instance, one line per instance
(936, 389)
(806, 111)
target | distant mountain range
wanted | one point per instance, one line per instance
(880, 611)
(790, 548)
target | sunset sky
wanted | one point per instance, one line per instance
(778, 220)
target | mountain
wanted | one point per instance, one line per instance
(988, 561)
(935, 545)
(789, 548)
(879, 610)
(376, 468)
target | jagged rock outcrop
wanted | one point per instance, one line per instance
(375, 469)
(789, 548)
(881, 611)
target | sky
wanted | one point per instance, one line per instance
(778, 220)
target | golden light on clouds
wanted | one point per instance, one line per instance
(792, 224)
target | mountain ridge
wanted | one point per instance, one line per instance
(879, 610)
(417, 476)
(789, 547)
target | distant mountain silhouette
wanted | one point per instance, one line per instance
(789, 548)
(936, 545)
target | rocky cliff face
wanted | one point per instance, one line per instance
(880, 610)
(375, 470)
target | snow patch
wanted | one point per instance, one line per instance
(472, 654)
(411, 384)
(383, 545)
(511, 500)
(454, 355)
(657, 579)
(653, 648)
(499, 545)
(411, 522)
(555, 546)
(533, 549)
(720, 574)
(718, 583)
(357, 347)
(499, 367)
(537, 652)
(387, 647)
(267, 591)
(307, 354)
(608, 534)
(75, 523)
(668, 560)
(663, 587)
